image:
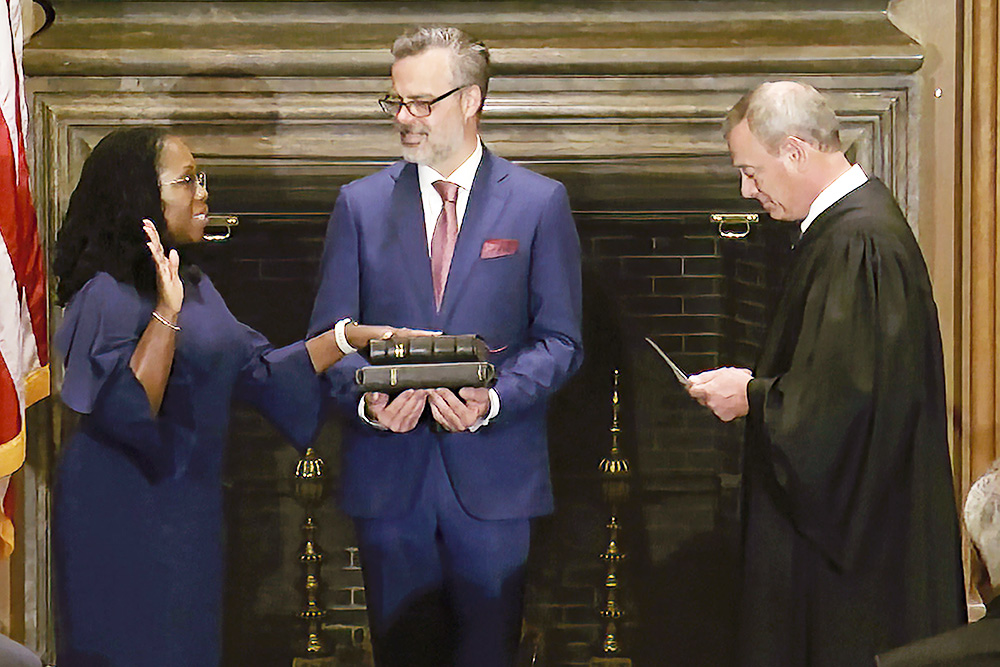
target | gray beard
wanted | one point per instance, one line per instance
(413, 155)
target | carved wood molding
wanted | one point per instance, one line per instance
(630, 94)
(647, 141)
(351, 38)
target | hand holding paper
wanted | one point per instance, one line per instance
(723, 391)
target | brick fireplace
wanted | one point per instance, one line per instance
(665, 274)
(624, 107)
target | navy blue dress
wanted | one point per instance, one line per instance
(137, 517)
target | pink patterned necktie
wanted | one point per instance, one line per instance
(443, 239)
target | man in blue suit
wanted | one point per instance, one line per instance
(442, 486)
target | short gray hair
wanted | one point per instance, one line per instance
(780, 109)
(982, 518)
(470, 60)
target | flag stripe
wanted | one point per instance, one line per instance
(10, 414)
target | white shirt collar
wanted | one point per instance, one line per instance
(462, 176)
(848, 182)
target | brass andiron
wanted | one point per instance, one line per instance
(309, 487)
(615, 487)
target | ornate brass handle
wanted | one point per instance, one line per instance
(227, 221)
(734, 225)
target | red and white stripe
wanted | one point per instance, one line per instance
(24, 371)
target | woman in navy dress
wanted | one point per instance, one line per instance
(153, 359)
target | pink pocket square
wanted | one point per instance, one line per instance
(498, 248)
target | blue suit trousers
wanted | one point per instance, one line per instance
(443, 588)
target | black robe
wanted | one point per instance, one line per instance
(851, 540)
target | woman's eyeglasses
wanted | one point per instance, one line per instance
(190, 181)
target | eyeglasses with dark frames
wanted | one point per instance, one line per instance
(416, 108)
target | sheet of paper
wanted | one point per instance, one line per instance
(681, 375)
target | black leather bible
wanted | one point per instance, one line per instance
(427, 350)
(395, 378)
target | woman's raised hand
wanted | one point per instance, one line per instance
(169, 288)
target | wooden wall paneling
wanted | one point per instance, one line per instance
(983, 407)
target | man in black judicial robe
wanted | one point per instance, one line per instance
(851, 542)
(976, 644)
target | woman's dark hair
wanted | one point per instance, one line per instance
(102, 230)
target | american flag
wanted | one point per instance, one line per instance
(24, 354)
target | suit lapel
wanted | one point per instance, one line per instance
(406, 221)
(486, 200)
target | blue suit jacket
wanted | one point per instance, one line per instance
(376, 269)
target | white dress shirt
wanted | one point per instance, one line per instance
(848, 182)
(429, 197)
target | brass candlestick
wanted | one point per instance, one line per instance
(614, 468)
(309, 488)
(615, 487)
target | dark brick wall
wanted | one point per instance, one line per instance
(706, 301)
(667, 275)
